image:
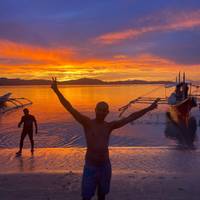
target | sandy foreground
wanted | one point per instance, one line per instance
(138, 173)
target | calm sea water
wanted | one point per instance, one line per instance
(57, 128)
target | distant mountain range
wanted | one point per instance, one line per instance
(82, 81)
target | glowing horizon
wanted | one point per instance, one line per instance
(71, 43)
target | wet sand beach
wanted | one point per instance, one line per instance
(146, 164)
(138, 173)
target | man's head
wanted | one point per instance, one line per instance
(26, 111)
(101, 110)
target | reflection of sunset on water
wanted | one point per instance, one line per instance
(57, 128)
(83, 98)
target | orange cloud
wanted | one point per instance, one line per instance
(36, 54)
(176, 22)
(66, 64)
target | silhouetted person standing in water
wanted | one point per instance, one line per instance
(97, 169)
(27, 120)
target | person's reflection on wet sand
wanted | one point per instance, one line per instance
(32, 163)
(26, 164)
(21, 163)
(185, 136)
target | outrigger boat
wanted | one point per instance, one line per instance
(4, 98)
(180, 124)
(180, 108)
(8, 104)
(180, 111)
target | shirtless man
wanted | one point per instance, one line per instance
(27, 120)
(97, 169)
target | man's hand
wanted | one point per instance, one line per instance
(54, 85)
(20, 123)
(154, 105)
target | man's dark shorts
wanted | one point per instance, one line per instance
(96, 177)
(28, 132)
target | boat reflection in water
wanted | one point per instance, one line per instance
(184, 134)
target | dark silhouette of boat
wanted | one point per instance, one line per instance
(180, 124)
(180, 112)
(4, 98)
(8, 104)
(183, 103)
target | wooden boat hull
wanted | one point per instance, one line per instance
(180, 112)
(8, 104)
(3, 99)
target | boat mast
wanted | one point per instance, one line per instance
(184, 77)
(179, 77)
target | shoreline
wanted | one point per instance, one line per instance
(138, 173)
(146, 159)
(151, 160)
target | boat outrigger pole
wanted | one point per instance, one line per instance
(15, 103)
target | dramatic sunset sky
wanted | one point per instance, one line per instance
(104, 39)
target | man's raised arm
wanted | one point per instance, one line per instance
(133, 116)
(67, 105)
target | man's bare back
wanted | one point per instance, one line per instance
(97, 133)
(97, 138)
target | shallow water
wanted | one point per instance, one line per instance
(58, 129)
